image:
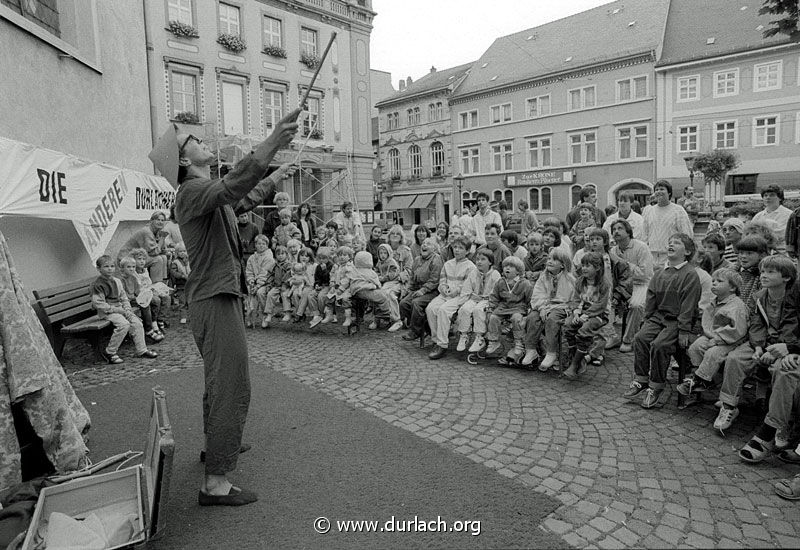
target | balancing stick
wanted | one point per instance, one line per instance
(316, 73)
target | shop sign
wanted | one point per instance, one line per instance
(543, 177)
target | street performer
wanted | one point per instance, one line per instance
(206, 211)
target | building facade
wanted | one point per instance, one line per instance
(539, 116)
(236, 67)
(721, 85)
(417, 168)
(75, 82)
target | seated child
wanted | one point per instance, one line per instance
(589, 305)
(331, 230)
(160, 299)
(294, 294)
(322, 281)
(750, 250)
(284, 232)
(111, 302)
(339, 290)
(510, 240)
(319, 239)
(278, 283)
(509, 300)
(777, 275)
(586, 221)
(714, 246)
(670, 308)
(257, 275)
(536, 260)
(549, 308)
(130, 282)
(724, 325)
(293, 248)
(364, 284)
(179, 272)
(454, 291)
(389, 271)
(473, 313)
(306, 258)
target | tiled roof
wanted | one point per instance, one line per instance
(610, 31)
(430, 82)
(698, 29)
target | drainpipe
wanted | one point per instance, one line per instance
(149, 57)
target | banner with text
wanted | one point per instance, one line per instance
(42, 183)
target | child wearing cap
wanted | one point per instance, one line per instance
(732, 230)
(724, 326)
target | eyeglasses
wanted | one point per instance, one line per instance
(188, 139)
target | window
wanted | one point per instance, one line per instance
(540, 199)
(272, 32)
(180, 10)
(581, 98)
(468, 120)
(413, 116)
(725, 134)
(726, 83)
(575, 195)
(415, 161)
(435, 111)
(538, 106)
(765, 131)
(308, 41)
(312, 122)
(392, 121)
(183, 93)
(583, 147)
(504, 195)
(767, 76)
(687, 139)
(470, 160)
(273, 109)
(688, 88)
(437, 158)
(632, 88)
(632, 142)
(741, 184)
(539, 152)
(394, 164)
(229, 19)
(502, 157)
(233, 102)
(501, 113)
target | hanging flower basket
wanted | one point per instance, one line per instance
(231, 42)
(309, 60)
(182, 30)
(186, 117)
(274, 51)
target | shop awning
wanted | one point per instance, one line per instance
(400, 202)
(423, 201)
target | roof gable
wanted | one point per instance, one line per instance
(431, 82)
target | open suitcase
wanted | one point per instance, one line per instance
(140, 491)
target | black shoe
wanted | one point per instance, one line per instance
(437, 353)
(635, 389)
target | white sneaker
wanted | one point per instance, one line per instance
(462, 342)
(478, 344)
(265, 321)
(549, 361)
(530, 356)
(725, 418)
(396, 326)
(315, 321)
(286, 317)
(373, 325)
(494, 347)
(328, 319)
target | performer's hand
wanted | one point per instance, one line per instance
(286, 128)
(284, 171)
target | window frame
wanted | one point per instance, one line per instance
(239, 81)
(392, 120)
(633, 141)
(779, 79)
(264, 43)
(395, 172)
(188, 70)
(272, 88)
(471, 162)
(470, 117)
(192, 12)
(696, 134)
(583, 145)
(414, 153)
(631, 80)
(716, 78)
(502, 110)
(537, 100)
(230, 5)
(505, 155)
(537, 205)
(540, 149)
(582, 94)
(725, 131)
(434, 154)
(777, 142)
(304, 44)
(696, 96)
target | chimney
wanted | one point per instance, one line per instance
(433, 69)
(402, 85)
(409, 81)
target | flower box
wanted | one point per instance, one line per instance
(231, 42)
(186, 117)
(182, 30)
(274, 51)
(309, 60)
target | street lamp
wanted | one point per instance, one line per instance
(689, 164)
(459, 179)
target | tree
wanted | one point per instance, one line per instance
(788, 24)
(715, 167)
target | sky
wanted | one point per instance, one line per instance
(410, 36)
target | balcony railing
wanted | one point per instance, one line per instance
(340, 8)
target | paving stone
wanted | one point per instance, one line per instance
(602, 524)
(697, 540)
(755, 532)
(669, 534)
(587, 532)
(610, 543)
(557, 526)
(628, 537)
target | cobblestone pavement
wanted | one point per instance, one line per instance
(627, 477)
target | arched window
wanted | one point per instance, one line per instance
(547, 199)
(437, 158)
(410, 117)
(394, 164)
(575, 195)
(497, 195)
(415, 161)
(508, 196)
(533, 198)
(432, 113)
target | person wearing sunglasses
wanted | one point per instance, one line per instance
(206, 211)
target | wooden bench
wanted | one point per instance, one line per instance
(66, 312)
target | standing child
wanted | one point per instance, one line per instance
(278, 283)
(130, 282)
(284, 232)
(294, 294)
(724, 326)
(257, 274)
(509, 300)
(549, 308)
(111, 302)
(589, 306)
(536, 260)
(454, 291)
(473, 313)
(179, 272)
